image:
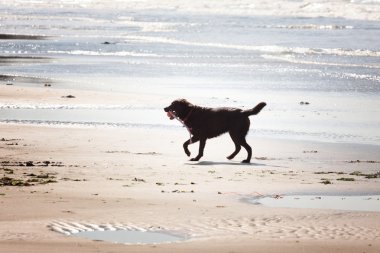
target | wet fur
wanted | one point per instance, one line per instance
(205, 123)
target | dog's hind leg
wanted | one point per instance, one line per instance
(240, 138)
(188, 142)
(249, 151)
(202, 144)
(236, 141)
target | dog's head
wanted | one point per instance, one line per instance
(178, 108)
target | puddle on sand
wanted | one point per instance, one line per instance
(116, 232)
(130, 236)
(351, 203)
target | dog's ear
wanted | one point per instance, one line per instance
(184, 101)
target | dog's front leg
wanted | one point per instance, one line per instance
(202, 144)
(188, 142)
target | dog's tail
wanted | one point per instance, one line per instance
(255, 110)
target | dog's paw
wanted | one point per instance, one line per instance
(230, 157)
(187, 152)
(246, 161)
(194, 159)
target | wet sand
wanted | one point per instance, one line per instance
(140, 177)
(22, 37)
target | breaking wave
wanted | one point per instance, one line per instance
(265, 49)
(100, 53)
(309, 26)
(290, 59)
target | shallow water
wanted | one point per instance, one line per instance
(210, 57)
(130, 237)
(295, 122)
(351, 203)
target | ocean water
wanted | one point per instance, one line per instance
(214, 53)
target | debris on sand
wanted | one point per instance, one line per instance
(32, 179)
(359, 161)
(325, 181)
(366, 175)
(68, 96)
(29, 164)
(310, 151)
(9, 181)
(329, 172)
(346, 179)
(139, 180)
(108, 43)
(23, 176)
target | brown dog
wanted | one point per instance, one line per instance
(205, 123)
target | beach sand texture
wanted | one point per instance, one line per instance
(111, 178)
(85, 144)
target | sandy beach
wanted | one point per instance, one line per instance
(140, 178)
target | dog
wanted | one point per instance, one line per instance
(205, 123)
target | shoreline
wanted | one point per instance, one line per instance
(54, 106)
(10, 94)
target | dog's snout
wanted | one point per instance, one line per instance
(166, 109)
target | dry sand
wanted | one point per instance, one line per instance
(141, 178)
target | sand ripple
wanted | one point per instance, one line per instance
(316, 227)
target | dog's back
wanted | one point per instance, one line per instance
(212, 122)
